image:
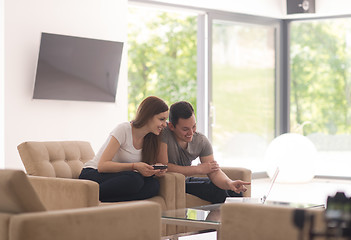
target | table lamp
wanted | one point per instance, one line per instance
(294, 154)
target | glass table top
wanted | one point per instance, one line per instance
(211, 213)
(207, 213)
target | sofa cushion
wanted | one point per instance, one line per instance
(17, 194)
(55, 159)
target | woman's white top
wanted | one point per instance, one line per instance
(127, 152)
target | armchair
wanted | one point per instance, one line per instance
(247, 221)
(24, 216)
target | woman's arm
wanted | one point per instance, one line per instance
(106, 165)
(162, 154)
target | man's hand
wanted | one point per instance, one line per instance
(238, 186)
(207, 167)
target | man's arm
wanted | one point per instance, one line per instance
(221, 180)
(192, 170)
(204, 168)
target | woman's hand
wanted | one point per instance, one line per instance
(161, 172)
(145, 169)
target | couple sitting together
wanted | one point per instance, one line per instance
(123, 166)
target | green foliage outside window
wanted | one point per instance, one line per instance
(320, 93)
(163, 63)
(162, 51)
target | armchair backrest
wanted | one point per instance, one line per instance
(63, 159)
(17, 194)
(247, 221)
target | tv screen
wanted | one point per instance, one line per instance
(76, 68)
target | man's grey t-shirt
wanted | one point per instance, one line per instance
(198, 147)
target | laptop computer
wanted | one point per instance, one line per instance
(256, 200)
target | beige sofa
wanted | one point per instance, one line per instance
(57, 165)
(24, 216)
(245, 221)
(61, 163)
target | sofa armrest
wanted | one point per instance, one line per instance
(65, 193)
(237, 173)
(128, 221)
(172, 189)
(167, 190)
(5, 225)
(179, 190)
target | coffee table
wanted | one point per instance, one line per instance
(208, 217)
(203, 219)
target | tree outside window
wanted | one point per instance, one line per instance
(162, 52)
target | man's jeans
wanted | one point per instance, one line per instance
(203, 188)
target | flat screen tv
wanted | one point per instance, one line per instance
(76, 68)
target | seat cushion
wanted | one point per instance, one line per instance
(194, 201)
(55, 159)
(17, 194)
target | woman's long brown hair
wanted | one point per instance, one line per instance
(147, 109)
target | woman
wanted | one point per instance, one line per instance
(122, 167)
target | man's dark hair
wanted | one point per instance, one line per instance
(178, 110)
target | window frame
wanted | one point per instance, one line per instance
(253, 20)
(204, 59)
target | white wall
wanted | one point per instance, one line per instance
(2, 106)
(335, 7)
(49, 120)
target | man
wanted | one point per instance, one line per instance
(181, 144)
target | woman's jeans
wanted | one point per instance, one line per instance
(122, 186)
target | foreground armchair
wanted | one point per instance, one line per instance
(24, 216)
(248, 221)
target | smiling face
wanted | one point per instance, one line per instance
(185, 129)
(158, 122)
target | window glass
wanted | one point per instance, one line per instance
(320, 90)
(162, 52)
(243, 83)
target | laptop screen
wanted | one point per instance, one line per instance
(275, 175)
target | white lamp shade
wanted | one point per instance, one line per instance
(294, 154)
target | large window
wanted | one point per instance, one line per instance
(162, 55)
(243, 92)
(320, 90)
(226, 69)
(241, 106)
